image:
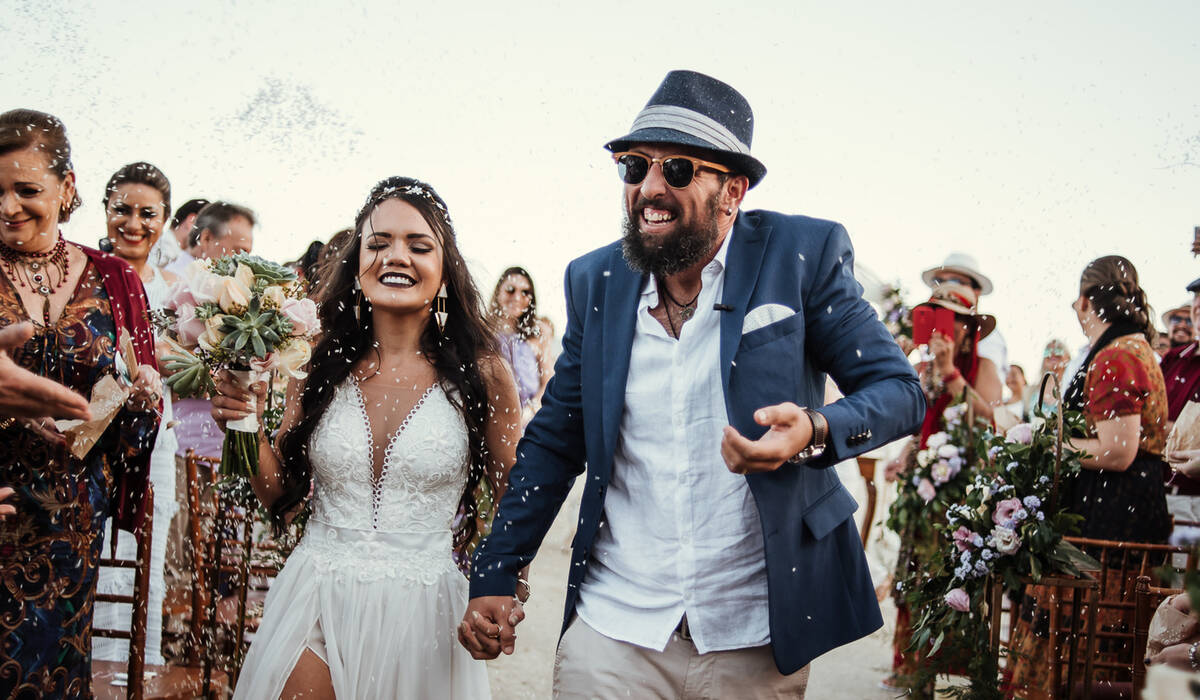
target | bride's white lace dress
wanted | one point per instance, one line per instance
(372, 587)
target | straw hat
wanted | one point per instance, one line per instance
(963, 264)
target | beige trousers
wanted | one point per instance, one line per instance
(590, 665)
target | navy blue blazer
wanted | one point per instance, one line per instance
(819, 591)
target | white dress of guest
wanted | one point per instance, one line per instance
(120, 581)
(372, 588)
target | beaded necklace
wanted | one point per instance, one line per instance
(37, 271)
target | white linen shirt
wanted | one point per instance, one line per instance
(681, 533)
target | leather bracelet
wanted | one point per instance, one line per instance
(951, 377)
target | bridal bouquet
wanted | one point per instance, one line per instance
(1008, 527)
(243, 314)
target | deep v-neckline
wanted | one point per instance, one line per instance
(377, 479)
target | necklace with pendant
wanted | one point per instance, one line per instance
(44, 273)
(686, 310)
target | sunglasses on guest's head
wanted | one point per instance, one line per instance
(678, 171)
(1179, 318)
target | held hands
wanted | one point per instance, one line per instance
(489, 626)
(233, 401)
(791, 431)
(24, 394)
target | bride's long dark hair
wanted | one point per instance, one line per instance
(454, 352)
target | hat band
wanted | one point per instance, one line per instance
(692, 123)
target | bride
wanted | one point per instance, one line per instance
(405, 408)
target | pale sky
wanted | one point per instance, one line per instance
(1036, 136)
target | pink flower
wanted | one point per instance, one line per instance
(303, 315)
(926, 490)
(1006, 510)
(266, 364)
(1022, 433)
(178, 295)
(188, 326)
(963, 538)
(959, 600)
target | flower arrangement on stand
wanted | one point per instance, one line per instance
(896, 316)
(243, 314)
(936, 479)
(1008, 529)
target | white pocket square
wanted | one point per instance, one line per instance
(765, 315)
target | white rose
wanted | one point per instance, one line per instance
(294, 356)
(234, 296)
(212, 336)
(947, 451)
(1005, 540)
(244, 275)
(937, 440)
(924, 457)
(274, 297)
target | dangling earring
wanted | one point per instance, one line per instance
(357, 302)
(439, 309)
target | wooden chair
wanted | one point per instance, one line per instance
(138, 599)
(231, 571)
(1147, 598)
(1122, 564)
(866, 469)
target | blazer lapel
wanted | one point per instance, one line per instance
(620, 319)
(741, 272)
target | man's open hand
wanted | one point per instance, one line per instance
(791, 431)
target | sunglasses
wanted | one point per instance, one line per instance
(1185, 320)
(678, 171)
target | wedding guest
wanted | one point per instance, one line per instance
(1014, 380)
(1055, 358)
(137, 202)
(961, 268)
(406, 408)
(220, 229)
(1181, 329)
(1181, 373)
(81, 302)
(1162, 343)
(1172, 650)
(956, 369)
(1119, 389)
(514, 309)
(173, 247)
(690, 387)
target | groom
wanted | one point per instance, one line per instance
(716, 553)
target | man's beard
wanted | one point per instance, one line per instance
(677, 251)
(1178, 340)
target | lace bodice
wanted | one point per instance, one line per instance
(424, 466)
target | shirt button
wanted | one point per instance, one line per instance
(687, 538)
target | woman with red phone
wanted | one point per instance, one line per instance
(950, 328)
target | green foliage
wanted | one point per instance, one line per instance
(1009, 527)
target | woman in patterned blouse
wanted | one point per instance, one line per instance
(80, 302)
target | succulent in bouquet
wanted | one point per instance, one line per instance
(243, 314)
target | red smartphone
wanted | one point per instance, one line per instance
(927, 319)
